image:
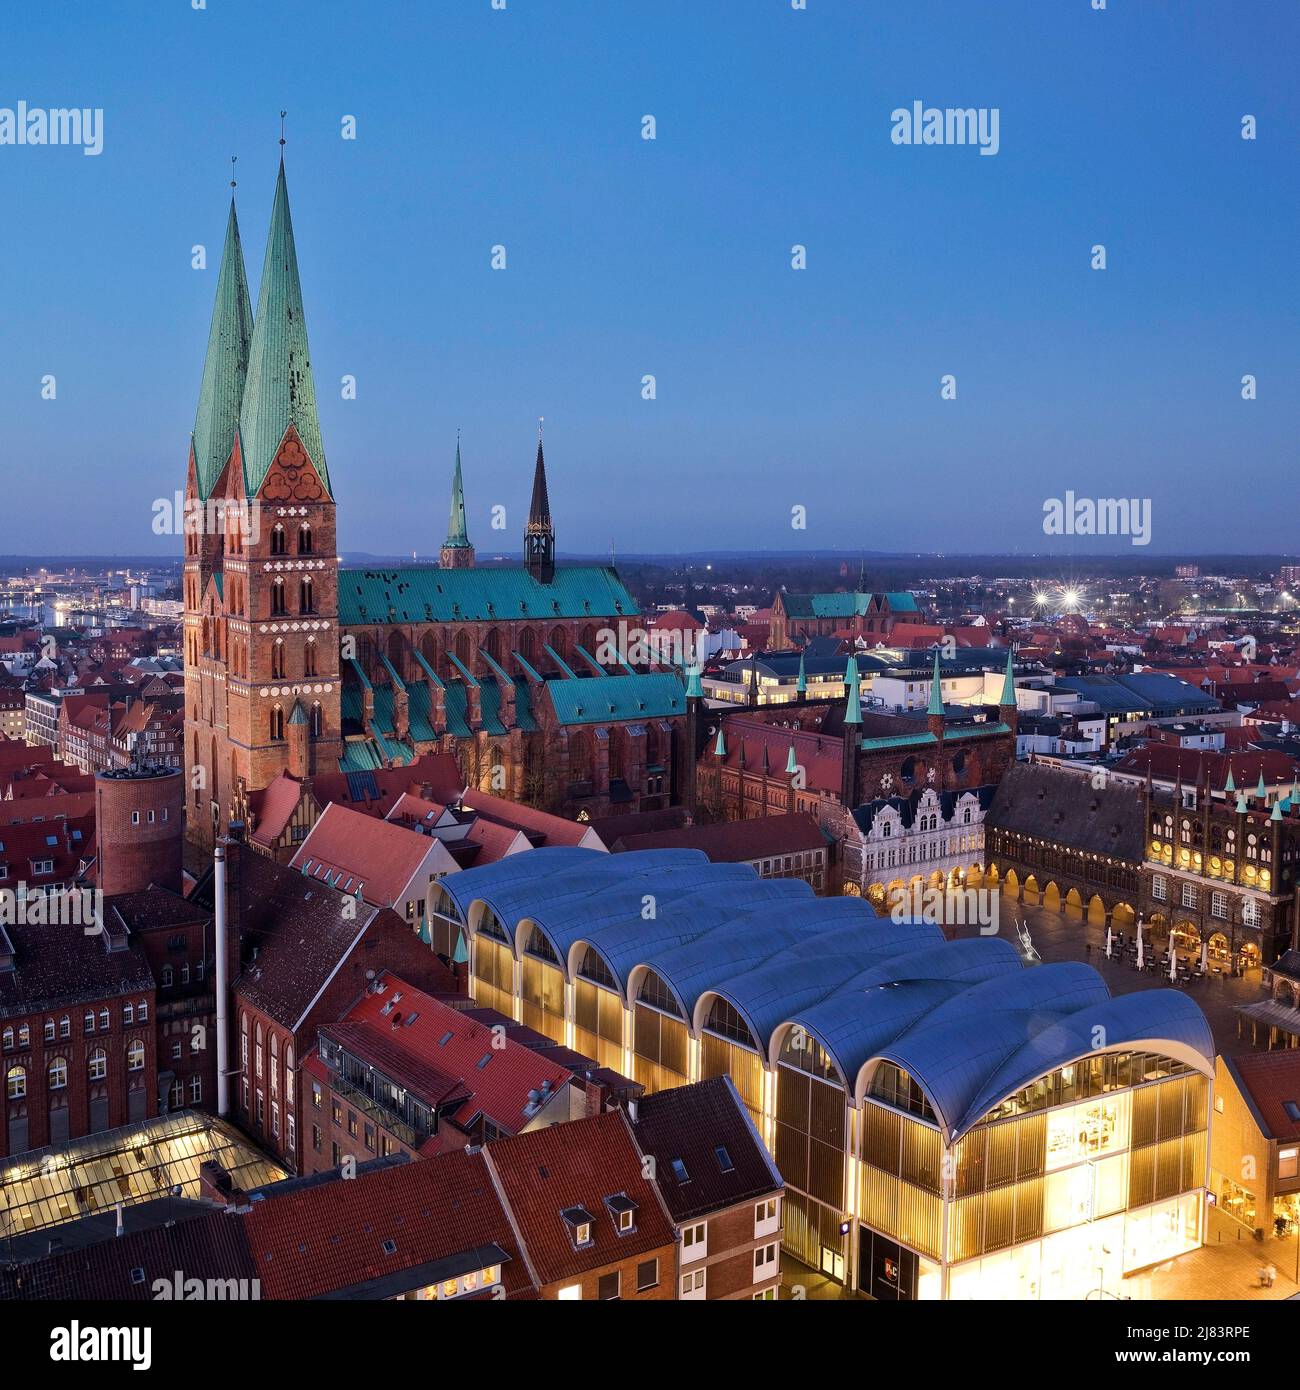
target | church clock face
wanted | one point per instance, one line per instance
(886, 782)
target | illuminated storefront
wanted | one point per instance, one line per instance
(897, 1078)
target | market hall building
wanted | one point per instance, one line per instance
(949, 1122)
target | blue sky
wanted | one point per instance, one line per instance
(776, 388)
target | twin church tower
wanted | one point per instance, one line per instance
(263, 666)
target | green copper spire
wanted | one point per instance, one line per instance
(853, 695)
(280, 390)
(936, 690)
(226, 365)
(1009, 684)
(1277, 811)
(457, 535)
(694, 690)
(1261, 790)
(720, 746)
(801, 685)
(1242, 808)
(1229, 785)
(791, 766)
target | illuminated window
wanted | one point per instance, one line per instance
(1288, 1163)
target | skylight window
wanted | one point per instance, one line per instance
(724, 1159)
(679, 1171)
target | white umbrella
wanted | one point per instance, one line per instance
(1205, 954)
(1107, 940)
(1140, 955)
(1173, 963)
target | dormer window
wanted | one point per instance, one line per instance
(623, 1211)
(579, 1221)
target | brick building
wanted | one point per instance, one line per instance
(721, 1188)
(592, 1224)
(299, 956)
(293, 666)
(868, 615)
(77, 1041)
(401, 1072)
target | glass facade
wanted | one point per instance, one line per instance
(1077, 1179)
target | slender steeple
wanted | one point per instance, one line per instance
(281, 390)
(720, 743)
(539, 534)
(1229, 785)
(853, 694)
(935, 707)
(1009, 683)
(225, 367)
(457, 552)
(801, 685)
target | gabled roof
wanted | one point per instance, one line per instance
(1269, 1083)
(687, 1126)
(363, 855)
(548, 1171)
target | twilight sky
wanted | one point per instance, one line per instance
(776, 388)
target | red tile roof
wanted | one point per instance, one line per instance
(547, 1171)
(379, 856)
(318, 1239)
(1268, 1080)
(496, 1080)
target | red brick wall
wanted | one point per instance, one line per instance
(77, 1048)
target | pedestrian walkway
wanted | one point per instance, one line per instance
(1226, 1267)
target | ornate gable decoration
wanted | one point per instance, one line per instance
(292, 477)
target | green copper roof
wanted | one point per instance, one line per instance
(429, 594)
(791, 763)
(1229, 785)
(1277, 811)
(720, 744)
(457, 535)
(1261, 790)
(280, 391)
(801, 685)
(843, 605)
(1009, 684)
(853, 698)
(1241, 803)
(936, 689)
(226, 365)
(694, 690)
(657, 696)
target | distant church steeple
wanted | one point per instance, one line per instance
(539, 534)
(457, 553)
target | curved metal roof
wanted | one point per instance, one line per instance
(814, 968)
(966, 1019)
(878, 1004)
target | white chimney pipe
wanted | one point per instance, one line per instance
(121, 1228)
(223, 986)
